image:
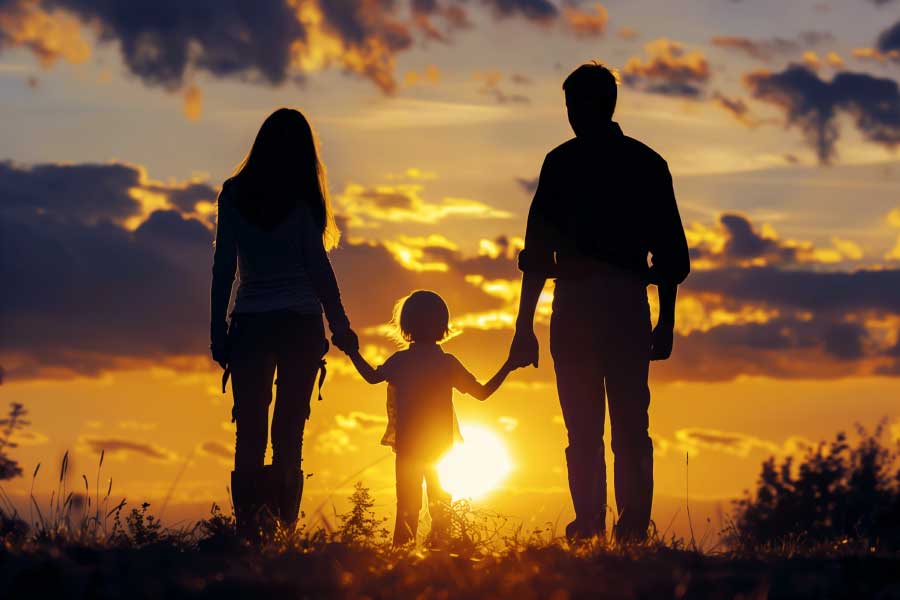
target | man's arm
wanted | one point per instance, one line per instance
(664, 333)
(537, 263)
(671, 265)
(524, 350)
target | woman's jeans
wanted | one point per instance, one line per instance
(292, 344)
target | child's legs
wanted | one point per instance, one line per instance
(438, 502)
(409, 473)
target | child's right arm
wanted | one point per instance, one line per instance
(364, 368)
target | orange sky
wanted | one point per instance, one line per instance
(434, 121)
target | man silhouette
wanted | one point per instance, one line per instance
(603, 204)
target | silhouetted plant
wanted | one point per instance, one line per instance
(14, 421)
(360, 526)
(838, 494)
(139, 529)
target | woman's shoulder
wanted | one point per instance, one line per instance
(228, 191)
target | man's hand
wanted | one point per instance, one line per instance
(524, 349)
(661, 342)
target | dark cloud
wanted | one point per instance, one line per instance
(186, 197)
(670, 70)
(83, 193)
(541, 11)
(889, 41)
(529, 185)
(835, 292)
(89, 293)
(165, 42)
(768, 49)
(161, 40)
(744, 245)
(813, 105)
(115, 445)
(217, 450)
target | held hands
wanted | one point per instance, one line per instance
(524, 349)
(661, 341)
(345, 340)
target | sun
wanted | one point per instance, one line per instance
(475, 466)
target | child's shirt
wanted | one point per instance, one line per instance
(423, 378)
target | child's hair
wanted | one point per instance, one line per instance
(422, 316)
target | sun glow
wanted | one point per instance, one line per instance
(475, 466)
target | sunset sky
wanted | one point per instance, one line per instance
(119, 121)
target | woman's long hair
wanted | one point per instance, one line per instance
(281, 171)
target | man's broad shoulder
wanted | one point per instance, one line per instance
(566, 148)
(642, 151)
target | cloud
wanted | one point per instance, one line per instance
(357, 420)
(586, 23)
(888, 43)
(334, 441)
(813, 104)
(739, 444)
(89, 292)
(627, 33)
(431, 75)
(669, 70)
(539, 11)
(218, 450)
(767, 50)
(736, 242)
(736, 107)
(193, 103)
(168, 44)
(491, 86)
(114, 446)
(529, 185)
(403, 203)
(50, 36)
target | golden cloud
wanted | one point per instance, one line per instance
(403, 203)
(51, 36)
(586, 23)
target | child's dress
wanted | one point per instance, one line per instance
(390, 431)
(422, 427)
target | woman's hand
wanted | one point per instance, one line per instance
(220, 348)
(346, 340)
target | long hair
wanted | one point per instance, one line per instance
(283, 170)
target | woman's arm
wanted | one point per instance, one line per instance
(321, 275)
(364, 368)
(485, 391)
(223, 271)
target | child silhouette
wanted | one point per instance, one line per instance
(420, 383)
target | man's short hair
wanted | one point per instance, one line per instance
(592, 84)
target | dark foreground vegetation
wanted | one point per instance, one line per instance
(824, 528)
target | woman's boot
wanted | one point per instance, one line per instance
(290, 491)
(248, 498)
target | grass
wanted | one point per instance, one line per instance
(83, 544)
(96, 548)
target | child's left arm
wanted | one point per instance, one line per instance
(486, 390)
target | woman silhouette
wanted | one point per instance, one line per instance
(275, 223)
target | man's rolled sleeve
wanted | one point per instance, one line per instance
(540, 239)
(670, 256)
